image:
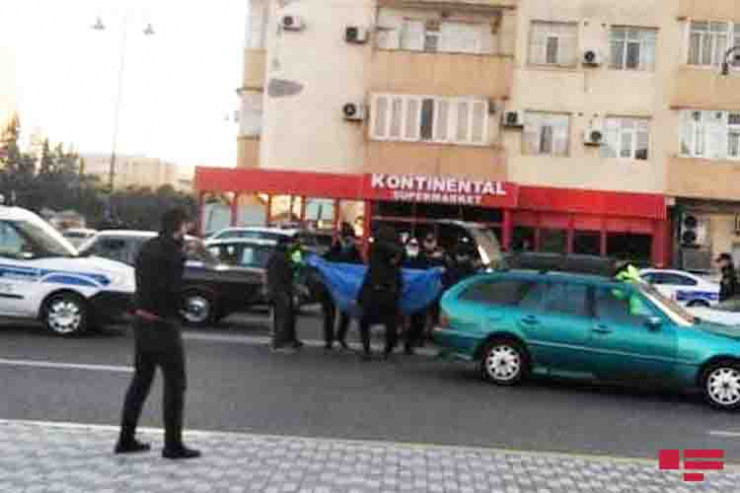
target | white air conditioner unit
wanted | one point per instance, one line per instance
(514, 119)
(592, 58)
(694, 230)
(354, 112)
(355, 35)
(593, 136)
(291, 22)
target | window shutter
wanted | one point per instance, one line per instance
(480, 112)
(538, 43)
(442, 120)
(716, 135)
(396, 117)
(379, 116)
(413, 34)
(427, 119)
(413, 114)
(463, 122)
(561, 135)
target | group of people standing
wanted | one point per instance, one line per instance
(379, 295)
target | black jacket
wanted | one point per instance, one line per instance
(344, 255)
(457, 272)
(383, 281)
(728, 284)
(279, 273)
(159, 270)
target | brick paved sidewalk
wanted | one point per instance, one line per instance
(36, 458)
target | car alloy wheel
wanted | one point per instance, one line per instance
(196, 309)
(504, 362)
(722, 386)
(65, 315)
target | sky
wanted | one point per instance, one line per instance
(179, 85)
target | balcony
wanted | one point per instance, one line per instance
(706, 88)
(441, 73)
(701, 178)
(452, 4)
(709, 10)
(255, 64)
(248, 152)
(432, 159)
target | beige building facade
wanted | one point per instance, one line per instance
(8, 102)
(139, 171)
(582, 95)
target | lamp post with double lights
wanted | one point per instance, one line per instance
(148, 31)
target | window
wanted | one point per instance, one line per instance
(709, 41)
(11, 243)
(626, 138)
(622, 306)
(632, 49)
(566, 299)
(434, 36)
(496, 292)
(553, 43)
(553, 240)
(430, 119)
(546, 133)
(710, 134)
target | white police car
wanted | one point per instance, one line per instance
(42, 277)
(683, 287)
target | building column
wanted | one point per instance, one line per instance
(603, 249)
(659, 247)
(506, 231)
(234, 209)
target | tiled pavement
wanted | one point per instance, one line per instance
(41, 457)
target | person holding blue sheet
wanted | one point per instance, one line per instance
(381, 290)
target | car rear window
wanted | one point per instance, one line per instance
(496, 291)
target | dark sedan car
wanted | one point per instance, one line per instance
(213, 289)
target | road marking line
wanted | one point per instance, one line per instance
(65, 366)
(722, 433)
(265, 340)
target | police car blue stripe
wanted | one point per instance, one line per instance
(68, 277)
(697, 295)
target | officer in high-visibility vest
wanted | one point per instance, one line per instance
(628, 273)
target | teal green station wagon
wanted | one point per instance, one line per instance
(518, 323)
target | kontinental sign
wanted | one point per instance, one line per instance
(443, 190)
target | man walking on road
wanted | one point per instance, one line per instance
(158, 343)
(728, 283)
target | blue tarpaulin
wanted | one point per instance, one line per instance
(420, 287)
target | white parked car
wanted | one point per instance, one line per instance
(42, 277)
(724, 313)
(683, 287)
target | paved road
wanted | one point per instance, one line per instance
(235, 384)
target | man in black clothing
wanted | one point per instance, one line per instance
(462, 265)
(728, 284)
(159, 270)
(280, 291)
(381, 289)
(416, 259)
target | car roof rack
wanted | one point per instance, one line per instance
(553, 262)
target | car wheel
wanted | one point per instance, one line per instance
(504, 362)
(66, 315)
(721, 385)
(198, 309)
(698, 304)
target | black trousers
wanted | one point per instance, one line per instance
(158, 344)
(379, 308)
(416, 328)
(329, 311)
(283, 319)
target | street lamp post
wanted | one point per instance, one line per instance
(148, 31)
(732, 56)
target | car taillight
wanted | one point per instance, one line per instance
(444, 320)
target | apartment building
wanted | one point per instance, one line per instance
(608, 127)
(139, 171)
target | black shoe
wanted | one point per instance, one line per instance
(409, 351)
(366, 356)
(132, 446)
(298, 344)
(328, 347)
(181, 452)
(344, 346)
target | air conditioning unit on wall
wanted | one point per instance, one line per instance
(354, 112)
(291, 22)
(591, 58)
(694, 231)
(513, 119)
(593, 136)
(356, 35)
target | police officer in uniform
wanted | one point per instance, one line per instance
(159, 270)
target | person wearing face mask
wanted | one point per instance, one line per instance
(415, 259)
(344, 250)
